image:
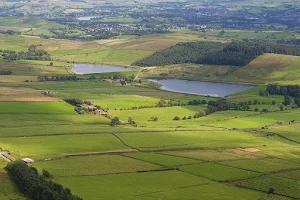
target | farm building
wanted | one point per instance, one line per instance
(101, 112)
(89, 107)
(27, 160)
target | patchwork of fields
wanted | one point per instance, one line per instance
(234, 154)
(224, 155)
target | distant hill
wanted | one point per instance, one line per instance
(37, 27)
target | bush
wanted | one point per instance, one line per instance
(265, 110)
(46, 174)
(271, 191)
(176, 118)
(115, 121)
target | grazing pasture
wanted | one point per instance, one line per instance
(130, 185)
(218, 172)
(193, 139)
(110, 164)
(22, 94)
(262, 165)
(162, 159)
(36, 108)
(217, 154)
(47, 146)
(281, 186)
(154, 185)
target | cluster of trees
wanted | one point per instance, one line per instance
(115, 121)
(290, 90)
(74, 101)
(236, 53)
(79, 108)
(223, 104)
(36, 187)
(197, 102)
(180, 53)
(161, 103)
(58, 78)
(5, 72)
(32, 54)
(176, 118)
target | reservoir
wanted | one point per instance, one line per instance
(86, 18)
(201, 88)
(96, 68)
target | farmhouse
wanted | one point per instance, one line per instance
(28, 160)
(89, 107)
(101, 112)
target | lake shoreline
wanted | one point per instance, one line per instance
(201, 88)
(86, 68)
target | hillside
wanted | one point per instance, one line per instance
(235, 53)
(267, 68)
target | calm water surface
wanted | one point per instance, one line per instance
(201, 88)
(93, 68)
(86, 18)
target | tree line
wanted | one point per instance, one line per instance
(236, 53)
(35, 186)
(32, 54)
(58, 78)
(290, 90)
(5, 72)
(223, 104)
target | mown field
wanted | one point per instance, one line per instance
(230, 155)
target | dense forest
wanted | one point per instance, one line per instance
(35, 186)
(236, 53)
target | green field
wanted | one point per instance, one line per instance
(47, 146)
(36, 108)
(218, 172)
(160, 159)
(195, 139)
(262, 165)
(282, 186)
(110, 164)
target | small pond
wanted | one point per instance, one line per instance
(201, 88)
(95, 68)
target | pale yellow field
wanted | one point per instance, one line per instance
(24, 95)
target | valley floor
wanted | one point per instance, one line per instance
(225, 155)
